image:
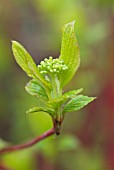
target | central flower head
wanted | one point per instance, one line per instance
(50, 67)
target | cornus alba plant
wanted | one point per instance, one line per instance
(47, 82)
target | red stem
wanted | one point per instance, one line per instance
(30, 143)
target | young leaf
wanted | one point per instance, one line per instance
(69, 53)
(26, 62)
(67, 95)
(35, 89)
(77, 103)
(39, 109)
(72, 93)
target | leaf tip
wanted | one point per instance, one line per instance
(13, 42)
(16, 44)
(93, 98)
(70, 24)
(81, 89)
(73, 22)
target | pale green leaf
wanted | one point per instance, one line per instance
(66, 96)
(77, 103)
(26, 62)
(34, 88)
(72, 93)
(69, 53)
(41, 109)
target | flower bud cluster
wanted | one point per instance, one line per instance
(52, 66)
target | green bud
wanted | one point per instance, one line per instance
(51, 66)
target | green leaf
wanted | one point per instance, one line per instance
(34, 88)
(72, 93)
(26, 62)
(69, 53)
(39, 109)
(77, 103)
(66, 96)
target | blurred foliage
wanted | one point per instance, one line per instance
(39, 122)
(36, 24)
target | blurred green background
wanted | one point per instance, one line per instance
(87, 138)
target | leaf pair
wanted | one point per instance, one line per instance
(71, 101)
(73, 105)
(69, 54)
(74, 101)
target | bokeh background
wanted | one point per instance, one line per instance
(87, 138)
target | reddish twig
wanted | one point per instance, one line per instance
(28, 144)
